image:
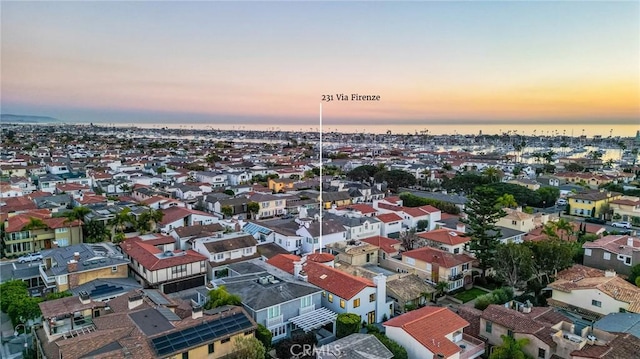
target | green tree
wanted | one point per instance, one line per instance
(160, 170)
(550, 256)
(547, 196)
(493, 174)
(227, 211)
(219, 297)
(574, 167)
(263, 334)
(408, 239)
(78, 213)
(96, 231)
(148, 220)
(510, 348)
(565, 227)
(122, 219)
(396, 349)
(634, 274)
(248, 348)
(513, 263)
(395, 178)
(346, 324)
(253, 208)
(482, 214)
(507, 201)
(362, 173)
(441, 287)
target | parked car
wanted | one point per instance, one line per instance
(31, 257)
(595, 220)
(626, 225)
(562, 202)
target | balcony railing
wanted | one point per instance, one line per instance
(305, 310)
(272, 322)
(48, 279)
(456, 276)
(471, 347)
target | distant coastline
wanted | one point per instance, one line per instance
(10, 118)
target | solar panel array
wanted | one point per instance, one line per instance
(200, 334)
(103, 289)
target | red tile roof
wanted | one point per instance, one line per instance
(430, 326)
(17, 222)
(321, 257)
(363, 208)
(146, 255)
(389, 217)
(342, 284)
(445, 236)
(393, 199)
(173, 214)
(442, 258)
(386, 244)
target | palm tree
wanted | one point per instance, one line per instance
(441, 287)
(548, 156)
(77, 214)
(148, 220)
(510, 348)
(492, 173)
(121, 219)
(564, 226)
(622, 148)
(550, 230)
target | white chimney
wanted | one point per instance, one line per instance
(135, 301)
(380, 281)
(609, 273)
(196, 312)
(460, 227)
(630, 241)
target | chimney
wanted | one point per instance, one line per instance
(196, 312)
(380, 281)
(609, 273)
(54, 244)
(135, 301)
(76, 256)
(519, 208)
(72, 266)
(630, 241)
(460, 227)
(84, 297)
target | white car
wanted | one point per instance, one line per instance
(626, 225)
(31, 257)
(562, 202)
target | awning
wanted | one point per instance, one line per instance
(314, 320)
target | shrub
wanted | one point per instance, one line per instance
(347, 323)
(483, 301)
(396, 349)
(371, 328)
(264, 336)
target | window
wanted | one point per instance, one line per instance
(62, 242)
(510, 333)
(627, 260)
(456, 251)
(606, 256)
(356, 302)
(411, 261)
(342, 303)
(330, 298)
(372, 297)
(62, 279)
(248, 250)
(273, 312)
(465, 266)
(587, 252)
(185, 355)
(541, 353)
(226, 340)
(324, 294)
(488, 326)
(596, 303)
(211, 348)
(62, 230)
(114, 269)
(219, 256)
(514, 223)
(305, 301)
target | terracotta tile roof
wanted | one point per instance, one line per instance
(148, 255)
(284, 261)
(617, 244)
(442, 258)
(321, 257)
(386, 244)
(14, 204)
(595, 196)
(389, 217)
(363, 208)
(173, 214)
(471, 315)
(393, 199)
(430, 326)
(67, 305)
(342, 284)
(581, 277)
(627, 202)
(511, 319)
(623, 346)
(199, 230)
(16, 223)
(445, 236)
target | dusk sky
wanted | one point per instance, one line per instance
(256, 62)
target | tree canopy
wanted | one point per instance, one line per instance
(395, 178)
(219, 297)
(510, 348)
(362, 173)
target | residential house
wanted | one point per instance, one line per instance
(593, 293)
(446, 239)
(335, 198)
(355, 253)
(357, 227)
(156, 264)
(139, 324)
(591, 204)
(433, 332)
(423, 217)
(388, 247)
(175, 217)
(616, 252)
(525, 182)
(216, 179)
(185, 236)
(274, 299)
(68, 268)
(237, 205)
(224, 249)
(391, 224)
(187, 192)
(436, 265)
(518, 220)
(550, 334)
(409, 291)
(278, 185)
(342, 292)
(8, 191)
(317, 234)
(55, 232)
(270, 205)
(627, 208)
(48, 182)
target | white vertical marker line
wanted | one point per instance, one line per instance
(321, 165)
